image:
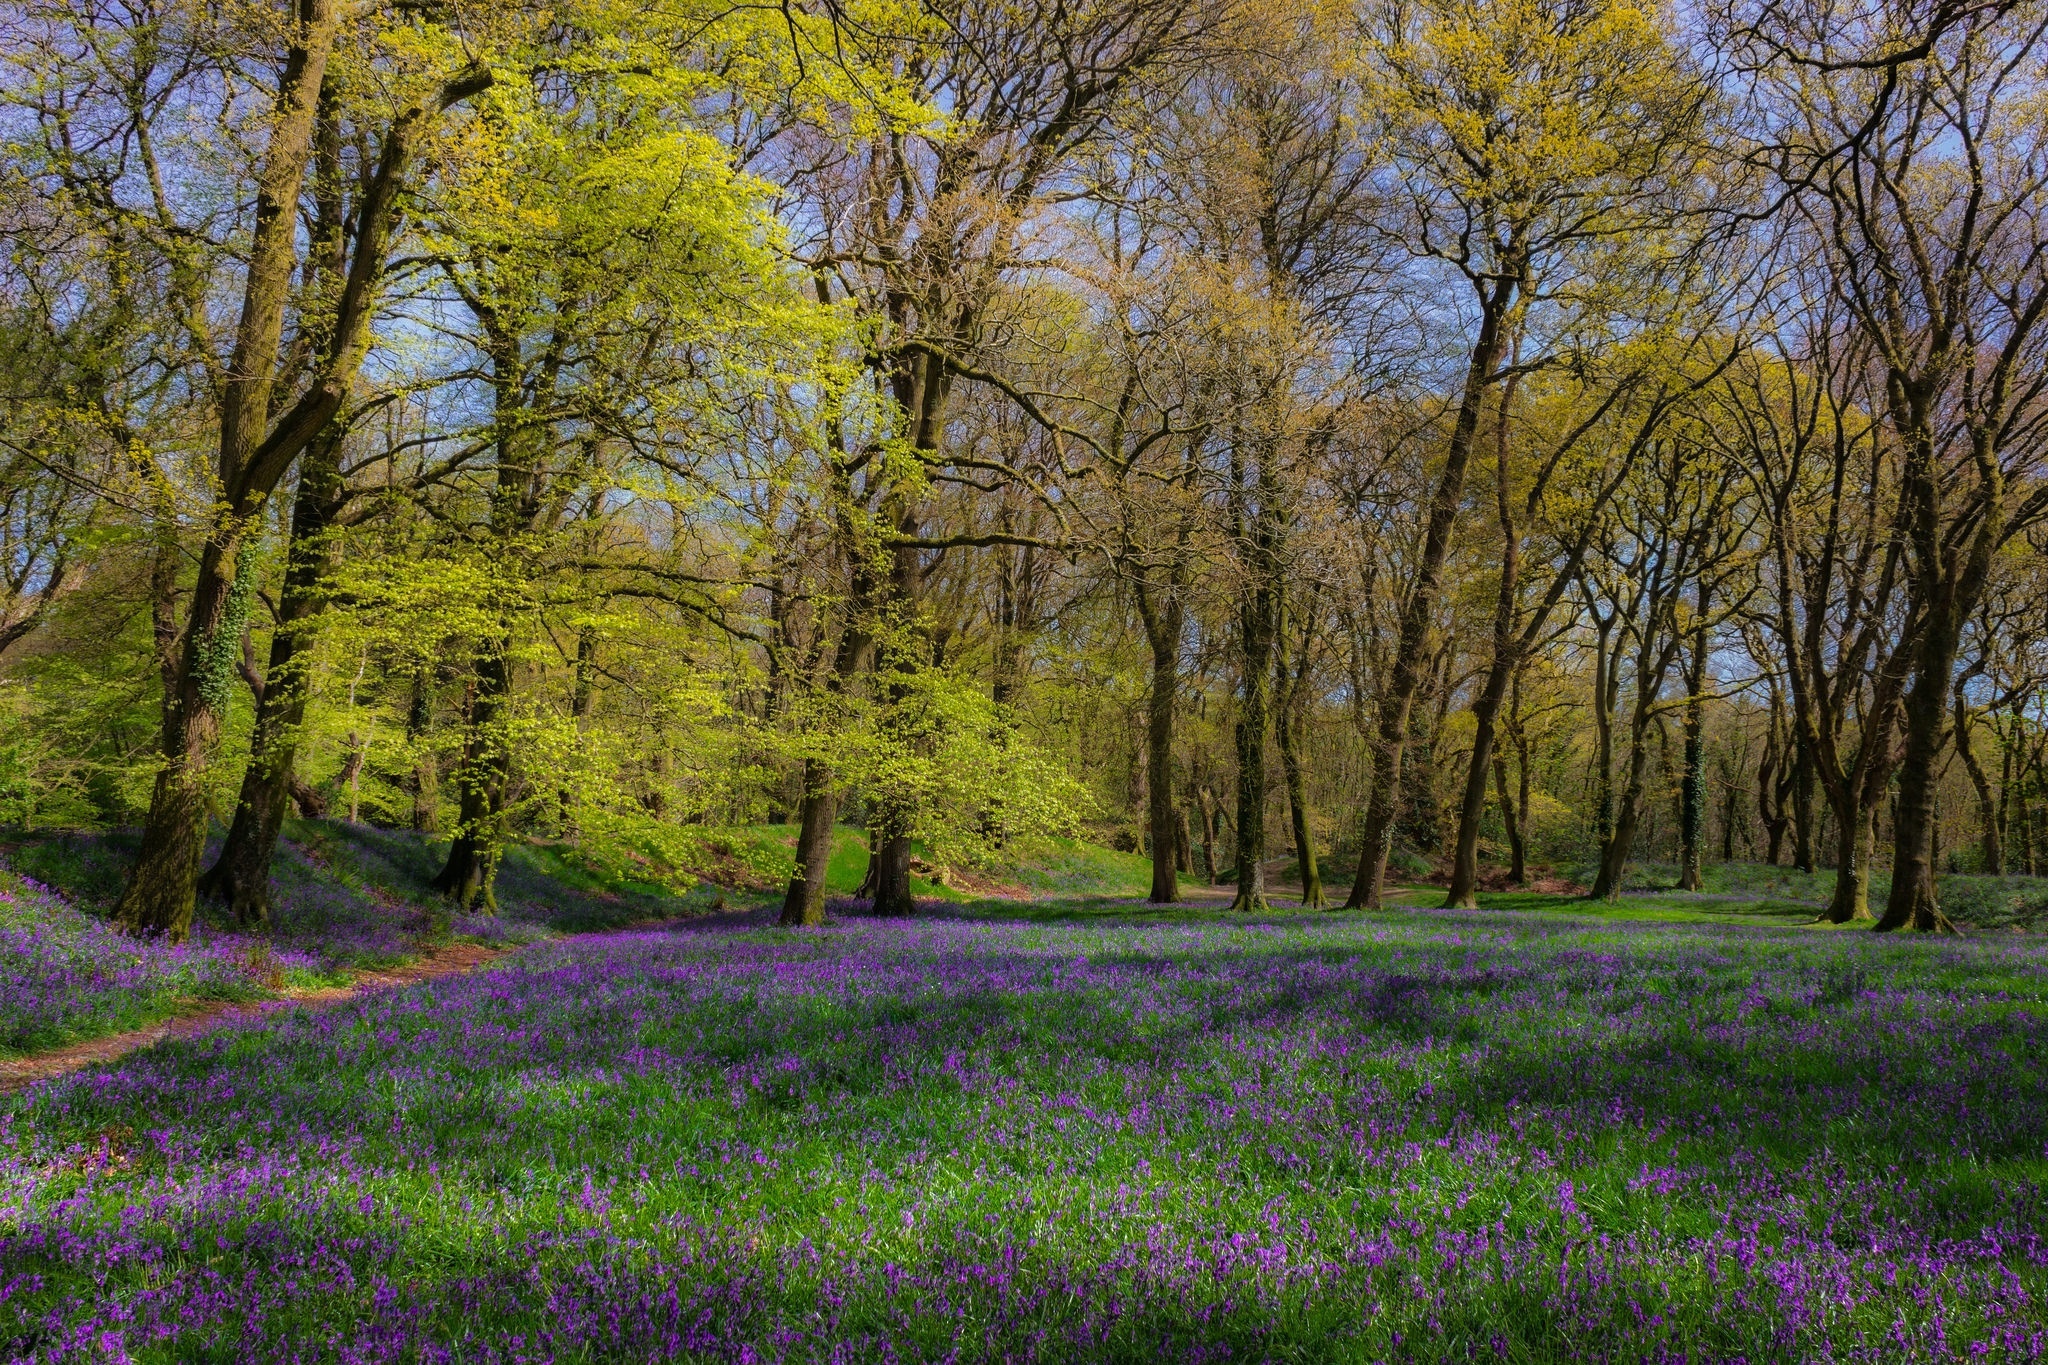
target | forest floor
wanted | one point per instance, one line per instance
(1074, 1129)
(1064, 1128)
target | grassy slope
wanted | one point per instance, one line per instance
(344, 897)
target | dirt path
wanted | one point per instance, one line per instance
(19, 1072)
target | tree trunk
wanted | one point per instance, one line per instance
(1604, 668)
(1251, 803)
(1993, 856)
(1912, 902)
(469, 876)
(1506, 655)
(1851, 900)
(804, 903)
(871, 875)
(351, 775)
(1369, 885)
(892, 877)
(1692, 800)
(425, 779)
(1802, 807)
(1256, 646)
(1163, 630)
(1731, 813)
(1472, 808)
(255, 452)
(1614, 856)
(1290, 690)
(1518, 867)
(1770, 791)
(1312, 897)
(1208, 820)
(158, 899)
(240, 876)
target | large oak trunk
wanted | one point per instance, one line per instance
(240, 877)
(1912, 902)
(892, 877)
(1256, 648)
(469, 876)
(1167, 831)
(158, 898)
(1853, 840)
(805, 901)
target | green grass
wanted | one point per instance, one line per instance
(1081, 1130)
(1059, 866)
(1758, 893)
(1050, 866)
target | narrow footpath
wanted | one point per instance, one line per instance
(17, 1073)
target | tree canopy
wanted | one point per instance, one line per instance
(1482, 438)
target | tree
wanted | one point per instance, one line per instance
(1909, 157)
(257, 447)
(1524, 133)
(920, 228)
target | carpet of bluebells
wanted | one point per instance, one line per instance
(65, 975)
(1481, 1136)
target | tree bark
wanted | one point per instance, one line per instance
(1851, 900)
(1472, 807)
(1692, 800)
(255, 451)
(1290, 688)
(425, 778)
(240, 876)
(1163, 626)
(1614, 856)
(804, 903)
(1946, 583)
(1993, 856)
(1605, 689)
(1208, 821)
(1463, 893)
(1518, 865)
(1802, 807)
(469, 876)
(892, 877)
(1258, 624)
(1287, 732)
(1912, 902)
(1251, 782)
